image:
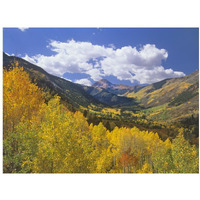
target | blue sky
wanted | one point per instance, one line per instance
(121, 55)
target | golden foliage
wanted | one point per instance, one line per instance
(47, 138)
(21, 98)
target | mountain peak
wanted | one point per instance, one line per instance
(103, 83)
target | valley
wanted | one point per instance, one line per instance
(52, 125)
(161, 107)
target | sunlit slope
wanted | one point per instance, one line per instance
(168, 91)
(171, 100)
(178, 109)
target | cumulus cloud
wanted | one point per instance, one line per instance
(126, 63)
(29, 59)
(23, 28)
(84, 81)
(95, 74)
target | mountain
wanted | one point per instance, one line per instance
(103, 83)
(165, 91)
(112, 94)
(115, 88)
(170, 100)
(161, 107)
(107, 97)
(73, 95)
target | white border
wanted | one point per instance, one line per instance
(104, 13)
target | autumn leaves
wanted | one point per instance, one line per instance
(47, 138)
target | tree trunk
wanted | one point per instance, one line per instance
(113, 160)
(124, 170)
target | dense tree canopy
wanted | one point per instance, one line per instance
(44, 137)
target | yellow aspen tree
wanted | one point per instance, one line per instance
(53, 141)
(21, 101)
(185, 156)
(21, 98)
(80, 143)
(99, 143)
(162, 158)
(63, 141)
(146, 169)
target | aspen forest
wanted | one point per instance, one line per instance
(42, 135)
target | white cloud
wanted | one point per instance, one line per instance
(29, 59)
(95, 74)
(126, 63)
(23, 28)
(84, 81)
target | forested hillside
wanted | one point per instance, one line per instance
(41, 135)
(72, 95)
(172, 91)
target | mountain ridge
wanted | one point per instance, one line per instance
(118, 89)
(103, 83)
(69, 92)
(164, 91)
